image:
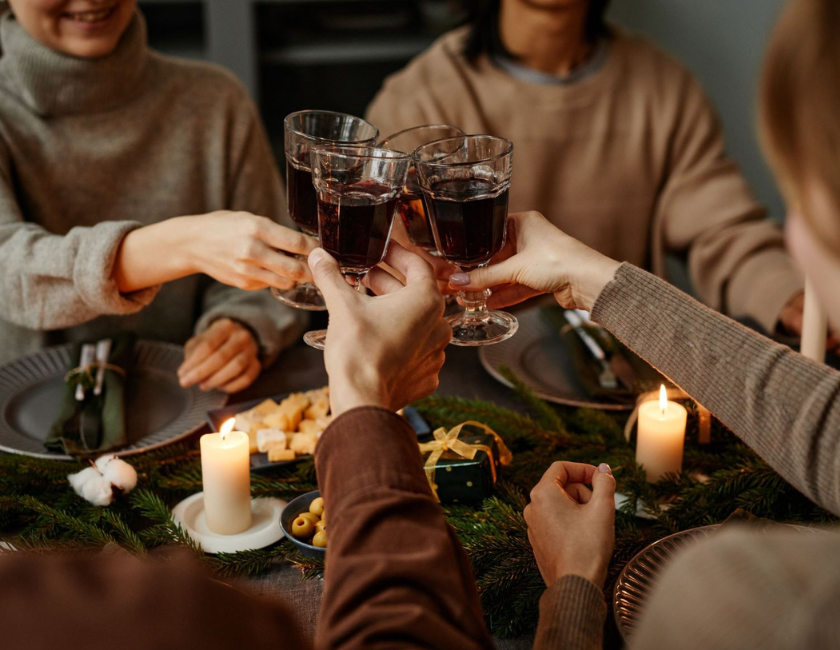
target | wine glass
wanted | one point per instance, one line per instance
(410, 205)
(465, 182)
(304, 130)
(357, 190)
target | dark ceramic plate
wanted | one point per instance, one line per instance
(290, 512)
(158, 410)
(260, 462)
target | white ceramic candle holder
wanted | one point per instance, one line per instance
(264, 531)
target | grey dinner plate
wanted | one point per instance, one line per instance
(158, 410)
(539, 356)
(633, 586)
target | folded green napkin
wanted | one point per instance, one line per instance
(96, 424)
(587, 368)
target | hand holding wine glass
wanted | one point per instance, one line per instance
(384, 350)
(540, 258)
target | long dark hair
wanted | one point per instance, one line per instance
(483, 16)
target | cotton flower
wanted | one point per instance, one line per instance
(116, 470)
(99, 483)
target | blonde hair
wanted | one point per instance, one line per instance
(799, 108)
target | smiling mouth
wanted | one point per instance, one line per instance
(92, 16)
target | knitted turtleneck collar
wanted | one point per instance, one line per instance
(53, 84)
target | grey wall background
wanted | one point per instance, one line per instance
(722, 42)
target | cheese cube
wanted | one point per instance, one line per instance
(266, 408)
(271, 439)
(303, 443)
(275, 454)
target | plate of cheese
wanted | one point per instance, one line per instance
(285, 428)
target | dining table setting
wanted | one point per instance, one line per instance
(102, 446)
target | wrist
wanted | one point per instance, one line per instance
(592, 282)
(351, 389)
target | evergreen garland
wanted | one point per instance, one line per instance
(40, 510)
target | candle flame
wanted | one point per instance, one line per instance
(227, 427)
(663, 399)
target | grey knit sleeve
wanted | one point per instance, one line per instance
(572, 613)
(49, 281)
(784, 406)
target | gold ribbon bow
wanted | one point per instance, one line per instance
(448, 441)
(704, 417)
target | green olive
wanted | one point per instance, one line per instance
(302, 527)
(317, 506)
(320, 539)
(310, 516)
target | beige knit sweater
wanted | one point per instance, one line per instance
(741, 589)
(91, 149)
(630, 160)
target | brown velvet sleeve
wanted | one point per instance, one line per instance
(396, 574)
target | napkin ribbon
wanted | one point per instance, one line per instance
(86, 372)
(448, 441)
(704, 417)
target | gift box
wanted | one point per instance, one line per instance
(462, 464)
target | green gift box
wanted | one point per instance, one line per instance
(463, 466)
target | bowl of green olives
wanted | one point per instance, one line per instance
(304, 523)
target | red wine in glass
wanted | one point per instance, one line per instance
(301, 198)
(413, 215)
(355, 225)
(470, 222)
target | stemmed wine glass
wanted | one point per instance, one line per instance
(304, 130)
(357, 190)
(410, 205)
(465, 182)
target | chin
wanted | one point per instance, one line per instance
(95, 40)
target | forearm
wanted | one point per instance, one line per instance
(404, 580)
(154, 255)
(572, 613)
(784, 406)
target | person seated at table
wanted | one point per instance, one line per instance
(774, 589)
(122, 170)
(615, 142)
(396, 576)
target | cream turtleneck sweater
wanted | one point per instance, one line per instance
(91, 149)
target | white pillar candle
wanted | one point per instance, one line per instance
(659, 447)
(226, 475)
(814, 326)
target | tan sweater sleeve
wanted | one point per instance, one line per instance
(784, 406)
(255, 187)
(736, 257)
(572, 613)
(396, 574)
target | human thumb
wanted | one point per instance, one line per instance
(603, 485)
(326, 275)
(484, 278)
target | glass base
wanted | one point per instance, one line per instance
(302, 296)
(484, 328)
(316, 339)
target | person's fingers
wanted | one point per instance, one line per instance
(206, 343)
(286, 239)
(381, 282)
(327, 277)
(579, 493)
(238, 341)
(486, 277)
(562, 473)
(231, 370)
(293, 268)
(510, 295)
(411, 265)
(603, 486)
(245, 379)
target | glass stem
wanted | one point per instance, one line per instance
(475, 305)
(357, 282)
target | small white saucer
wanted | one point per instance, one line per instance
(264, 531)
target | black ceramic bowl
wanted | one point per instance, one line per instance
(295, 507)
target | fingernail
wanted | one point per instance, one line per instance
(316, 256)
(604, 468)
(459, 279)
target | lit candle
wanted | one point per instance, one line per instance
(226, 475)
(659, 447)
